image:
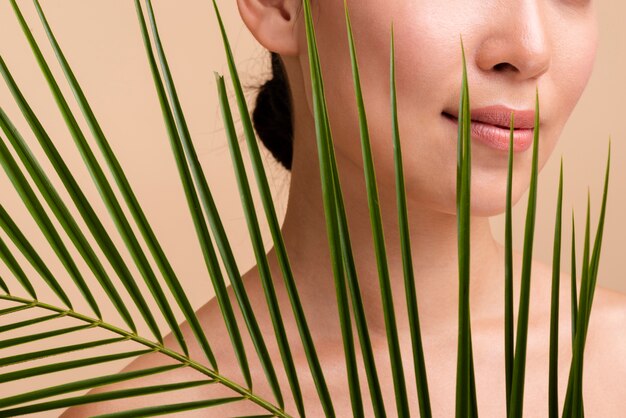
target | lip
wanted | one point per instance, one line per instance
(491, 126)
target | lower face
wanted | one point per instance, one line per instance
(513, 49)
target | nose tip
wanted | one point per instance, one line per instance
(517, 46)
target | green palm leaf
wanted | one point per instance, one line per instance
(194, 206)
(48, 352)
(218, 230)
(88, 322)
(28, 322)
(573, 296)
(15, 268)
(12, 342)
(98, 397)
(465, 388)
(27, 250)
(409, 281)
(105, 189)
(170, 277)
(553, 387)
(73, 364)
(64, 321)
(255, 232)
(574, 384)
(379, 240)
(34, 205)
(270, 212)
(170, 409)
(589, 275)
(4, 287)
(57, 205)
(519, 360)
(508, 275)
(81, 384)
(8, 311)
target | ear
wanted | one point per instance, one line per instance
(272, 23)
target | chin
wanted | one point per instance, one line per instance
(485, 210)
(490, 200)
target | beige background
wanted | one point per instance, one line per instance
(103, 44)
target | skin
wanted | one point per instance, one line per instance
(513, 47)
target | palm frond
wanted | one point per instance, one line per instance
(28, 322)
(519, 361)
(270, 212)
(82, 384)
(48, 352)
(13, 309)
(61, 211)
(255, 233)
(553, 396)
(21, 242)
(407, 262)
(465, 387)
(397, 367)
(152, 411)
(194, 207)
(99, 397)
(105, 189)
(573, 296)
(16, 269)
(34, 205)
(215, 222)
(589, 275)
(72, 364)
(89, 322)
(26, 313)
(508, 274)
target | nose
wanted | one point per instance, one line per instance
(516, 43)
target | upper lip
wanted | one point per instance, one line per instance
(500, 116)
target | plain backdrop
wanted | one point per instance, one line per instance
(103, 44)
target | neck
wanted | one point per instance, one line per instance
(433, 237)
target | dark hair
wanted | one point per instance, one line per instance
(272, 115)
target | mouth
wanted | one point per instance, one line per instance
(491, 126)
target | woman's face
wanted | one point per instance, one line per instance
(512, 47)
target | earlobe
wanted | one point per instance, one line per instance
(272, 23)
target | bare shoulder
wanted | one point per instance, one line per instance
(605, 354)
(604, 365)
(213, 324)
(607, 323)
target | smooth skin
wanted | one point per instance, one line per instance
(513, 47)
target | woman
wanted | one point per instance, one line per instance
(513, 47)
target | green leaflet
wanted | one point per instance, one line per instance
(201, 204)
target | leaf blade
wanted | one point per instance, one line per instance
(168, 409)
(67, 365)
(421, 380)
(98, 397)
(106, 192)
(508, 273)
(519, 364)
(257, 243)
(34, 355)
(553, 388)
(82, 384)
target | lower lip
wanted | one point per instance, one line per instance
(497, 137)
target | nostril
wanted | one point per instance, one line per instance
(504, 66)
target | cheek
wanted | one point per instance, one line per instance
(573, 62)
(426, 48)
(574, 53)
(372, 37)
(427, 53)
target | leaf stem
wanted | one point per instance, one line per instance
(156, 347)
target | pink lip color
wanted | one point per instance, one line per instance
(491, 126)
